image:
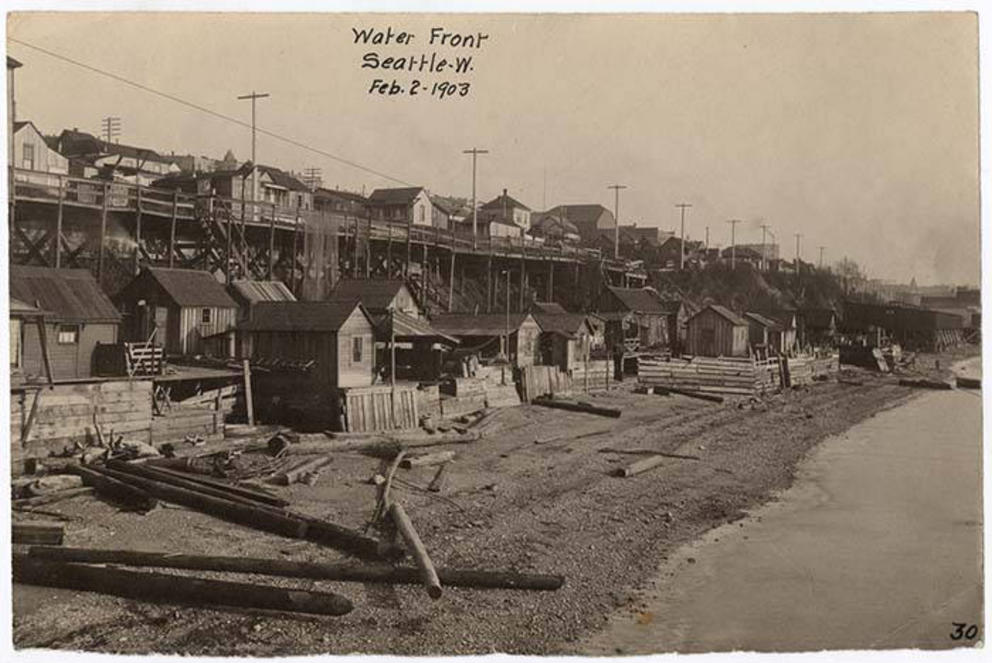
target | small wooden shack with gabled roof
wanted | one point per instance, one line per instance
(566, 337)
(78, 316)
(716, 331)
(482, 332)
(188, 310)
(248, 293)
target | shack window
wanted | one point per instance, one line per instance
(27, 156)
(356, 349)
(205, 316)
(67, 335)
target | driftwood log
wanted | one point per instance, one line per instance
(113, 489)
(165, 476)
(428, 574)
(399, 575)
(160, 587)
(250, 493)
(294, 474)
(578, 407)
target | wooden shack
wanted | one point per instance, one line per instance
(378, 296)
(331, 341)
(716, 331)
(818, 326)
(565, 339)
(646, 308)
(188, 311)
(769, 334)
(482, 333)
(248, 293)
(78, 316)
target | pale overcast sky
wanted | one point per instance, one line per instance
(859, 131)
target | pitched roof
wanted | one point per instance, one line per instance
(645, 300)
(551, 308)
(283, 179)
(483, 324)
(375, 294)
(261, 291)
(339, 194)
(408, 327)
(504, 200)
(567, 324)
(301, 316)
(69, 294)
(401, 196)
(546, 221)
(582, 214)
(192, 287)
(17, 307)
(725, 313)
(762, 320)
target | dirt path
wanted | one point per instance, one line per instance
(512, 504)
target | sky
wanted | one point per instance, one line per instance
(858, 131)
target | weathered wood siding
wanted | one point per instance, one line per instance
(350, 372)
(69, 361)
(191, 329)
(711, 335)
(525, 348)
(66, 414)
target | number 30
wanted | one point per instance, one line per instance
(966, 631)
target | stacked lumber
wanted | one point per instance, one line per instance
(502, 396)
(722, 375)
(592, 375)
(221, 399)
(69, 413)
(806, 370)
(370, 409)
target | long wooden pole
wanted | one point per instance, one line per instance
(103, 231)
(43, 338)
(58, 225)
(427, 572)
(172, 588)
(451, 281)
(137, 230)
(249, 404)
(172, 228)
(349, 572)
(272, 242)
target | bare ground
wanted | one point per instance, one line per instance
(510, 504)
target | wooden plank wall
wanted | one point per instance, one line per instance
(65, 414)
(369, 409)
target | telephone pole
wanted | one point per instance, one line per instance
(682, 208)
(798, 237)
(707, 238)
(111, 128)
(312, 177)
(733, 242)
(616, 217)
(821, 256)
(764, 247)
(254, 96)
(475, 152)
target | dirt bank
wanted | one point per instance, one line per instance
(511, 504)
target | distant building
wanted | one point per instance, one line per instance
(411, 205)
(275, 186)
(339, 202)
(77, 317)
(90, 156)
(669, 253)
(589, 220)
(507, 210)
(191, 163)
(33, 153)
(553, 228)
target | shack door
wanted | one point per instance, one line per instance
(161, 324)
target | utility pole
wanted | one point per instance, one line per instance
(733, 242)
(616, 217)
(707, 239)
(764, 247)
(254, 172)
(111, 128)
(682, 208)
(312, 178)
(798, 237)
(821, 256)
(475, 152)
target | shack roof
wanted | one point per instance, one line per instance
(566, 324)
(643, 300)
(397, 196)
(72, 295)
(552, 308)
(483, 324)
(19, 308)
(408, 328)
(376, 295)
(725, 313)
(301, 316)
(504, 200)
(768, 323)
(192, 287)
(253, 292)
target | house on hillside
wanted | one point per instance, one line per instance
(275, 187)
(32, 152)
(77, 317)
(90, 156)
(336, 201)
(507, 210)
(553, 228)
(649, 313)
(333, 340)
(410, 205)
(455, 210)
(484, 332)
(742, 254)
(248, 293)
(716, 331)
(668, 253)
(589, 220)
(187, 309)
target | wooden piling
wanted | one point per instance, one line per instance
(428, 574)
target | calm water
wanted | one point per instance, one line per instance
(877, 545)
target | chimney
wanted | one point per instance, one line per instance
(504, 192)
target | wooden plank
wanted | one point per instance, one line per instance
(37, 533)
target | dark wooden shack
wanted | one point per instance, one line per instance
(482, 333)
(78, 316)
(187, 309)
(716, 331)
(649, 311)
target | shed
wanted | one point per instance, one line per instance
(188, 310)
(565, 339)
(378, 296)
(248, 293)
(78, 315)
(649, 311)
(482, 334)
(336, 337)
(716, 331)
(764, 332)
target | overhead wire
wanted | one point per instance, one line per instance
(209, 111)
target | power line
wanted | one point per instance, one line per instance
(208, 111)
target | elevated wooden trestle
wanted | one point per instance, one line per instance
(113, 228)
